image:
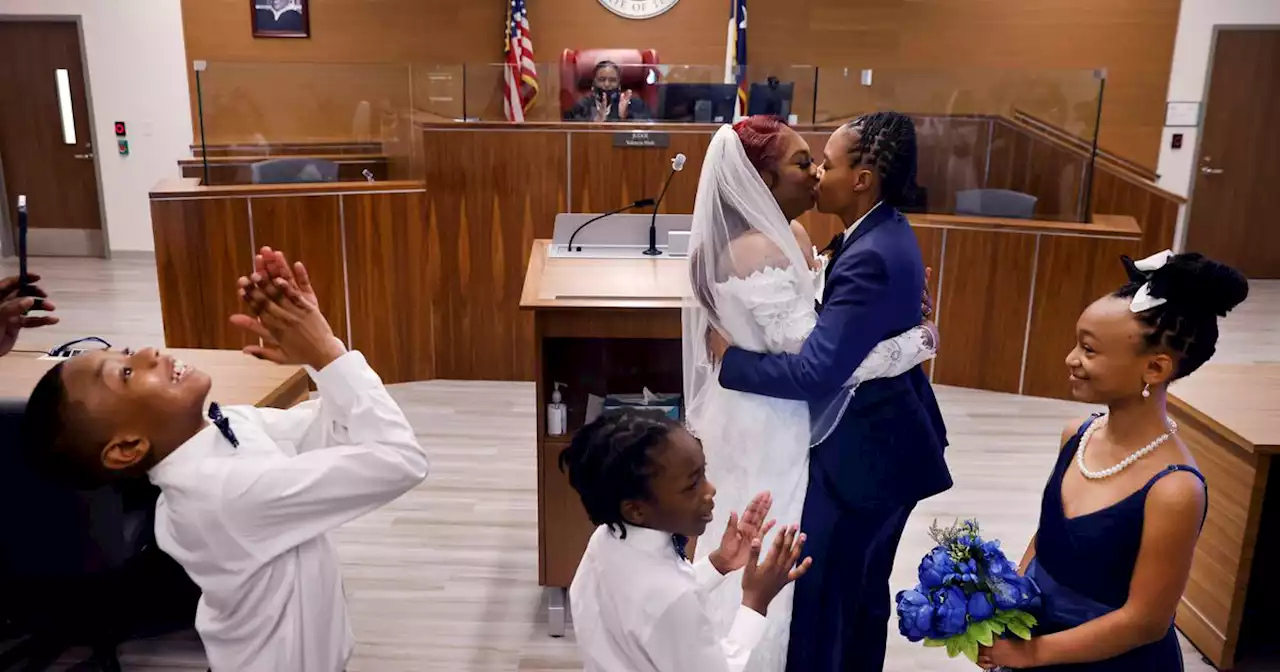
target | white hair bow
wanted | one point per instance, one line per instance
(1142, 300)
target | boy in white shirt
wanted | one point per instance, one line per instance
(637, 602)
(247, 499)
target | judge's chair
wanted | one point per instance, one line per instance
(577, 69)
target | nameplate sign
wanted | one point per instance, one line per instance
(641, 139)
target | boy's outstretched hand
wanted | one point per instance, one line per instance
(762, 581)
(735, 545)
(284, 313)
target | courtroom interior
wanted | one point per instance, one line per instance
(497, 201)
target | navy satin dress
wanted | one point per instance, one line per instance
(1083, 566)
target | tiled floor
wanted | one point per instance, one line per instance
(446, 578)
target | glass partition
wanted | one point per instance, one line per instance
(1031, 133)
(330, 112)
(1005, 143)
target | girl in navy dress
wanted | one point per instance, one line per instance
(1123, 509)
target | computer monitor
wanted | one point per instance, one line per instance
(771, 98)
(700, 103)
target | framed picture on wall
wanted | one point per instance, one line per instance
(281, 18)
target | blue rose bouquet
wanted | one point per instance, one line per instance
(969, 594)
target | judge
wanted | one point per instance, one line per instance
(606, 101)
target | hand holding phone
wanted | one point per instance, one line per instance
(14, 306)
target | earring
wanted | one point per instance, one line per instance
(1146, 391)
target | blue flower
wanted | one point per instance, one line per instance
(965, 571)
(997, 563)
(980, 607)
(952, 611)
(915, 614)
(935, 568)
(1011, 592)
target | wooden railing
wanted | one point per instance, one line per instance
(1066, 138)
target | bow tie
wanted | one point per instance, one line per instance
(834, 246)
(223, 424)
(679, 541)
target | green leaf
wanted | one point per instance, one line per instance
(1003, 617)
(982, 633)
(953, 647)
(935, 643)
(970, 649)
(997, 628)
(1020, 630)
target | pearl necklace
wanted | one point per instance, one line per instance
(1141, 453)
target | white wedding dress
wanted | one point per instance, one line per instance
(753, 443)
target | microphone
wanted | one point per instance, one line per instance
(677, 165)
(642, 203)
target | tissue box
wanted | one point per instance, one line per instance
(667, 404)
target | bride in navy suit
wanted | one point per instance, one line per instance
(1124, 506)
(875, 453)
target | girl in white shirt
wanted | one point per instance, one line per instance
(246, 500)
(637, 602)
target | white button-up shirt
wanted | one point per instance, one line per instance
(249, 524)
(639, 607)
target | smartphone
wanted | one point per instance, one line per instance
(24, 284)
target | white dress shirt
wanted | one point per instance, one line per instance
(852, 227)
(638, 607)
(249, 524)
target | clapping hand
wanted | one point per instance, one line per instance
(762, 581)
(602, 106)
(624, 102)
(735, 544)
(15, 302)
(285, 314)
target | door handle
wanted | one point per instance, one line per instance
(84, 156)
(1206, 170)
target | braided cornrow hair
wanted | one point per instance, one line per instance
(887, 142)
(1197, 291)
(610, 461)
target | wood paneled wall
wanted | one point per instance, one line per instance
(961, 52)
(365, 252)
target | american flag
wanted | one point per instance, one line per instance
(520, 85)
(735, 57)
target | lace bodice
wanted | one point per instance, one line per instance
(782, 315)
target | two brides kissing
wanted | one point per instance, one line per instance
(802, 372)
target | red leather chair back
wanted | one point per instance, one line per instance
(577, 70)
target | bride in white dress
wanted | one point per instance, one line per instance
(751, 279)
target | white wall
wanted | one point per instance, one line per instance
(137, 74)
(1190, 72)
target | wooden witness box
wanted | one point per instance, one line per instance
(601, 326)
(1229, 416)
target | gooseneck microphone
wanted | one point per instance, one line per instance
(677, 165)
(642, 203)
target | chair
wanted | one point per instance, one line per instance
(577, 70)
(79, 568)
(996, 203)
(294, 170)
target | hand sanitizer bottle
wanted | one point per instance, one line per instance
(557, 413)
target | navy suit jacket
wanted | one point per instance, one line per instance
(888, 446)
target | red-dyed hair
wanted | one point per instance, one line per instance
(762, 137)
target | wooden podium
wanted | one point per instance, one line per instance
(601, 326)
(1229, 416)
